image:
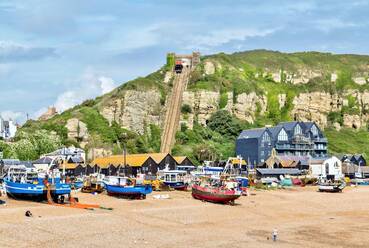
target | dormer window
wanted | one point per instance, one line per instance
(282, 136)
(266, 137)
(298, 130)
(314, 130)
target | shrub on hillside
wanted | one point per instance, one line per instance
(224, 123)
(186, 109)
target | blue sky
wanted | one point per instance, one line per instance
(63, 52)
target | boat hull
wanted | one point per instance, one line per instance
(214, 195)
(331, 188)
(34, 190)
(176, 185)
(138, 190)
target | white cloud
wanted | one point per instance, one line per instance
(126, 40)
(327, 25)
(38, 113)
(12, 52)
(221, 37)
(90, 85)
(107, 84)
(13, 115)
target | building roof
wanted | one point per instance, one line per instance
(157, 157)
(350, 157)
(352, 169)
(76, 159)
(136, 160)
(308, 124)
(10, 161)
(66, 151)
(68, 166)
(288, 125)
(278, 171)
(287, 161)
(179, 159)
(237, 161)
(275, 130)
(251, 133)
(43, 160)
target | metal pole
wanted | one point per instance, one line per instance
(124, 151)
(125, 154)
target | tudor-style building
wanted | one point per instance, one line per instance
(287, 138)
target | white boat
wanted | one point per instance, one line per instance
(331, 186)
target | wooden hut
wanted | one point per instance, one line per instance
(183, 160)
(80, 170)
(90, 169)
(130, 165)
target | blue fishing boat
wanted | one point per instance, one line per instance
(21, 182)
(175, 179)
(124, 186)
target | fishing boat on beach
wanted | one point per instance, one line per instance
(216, 190)
(21, 182)
(331, 185)
(124, 186)
(175, 179)
(93, 183)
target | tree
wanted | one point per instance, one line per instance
(204, 152)
(186, 109)
(7, 150)
(30, 146)
(224, 123)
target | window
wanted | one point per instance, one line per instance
(298, 129)
(314, 130)
(266, 137)
(282, 136)
(173, 178)
(262, 153)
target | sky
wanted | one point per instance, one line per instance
(62, 52)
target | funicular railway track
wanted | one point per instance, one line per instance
(174, 110)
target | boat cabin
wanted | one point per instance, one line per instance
(187, 168)
(173, 176)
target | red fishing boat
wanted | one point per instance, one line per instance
(219, 192)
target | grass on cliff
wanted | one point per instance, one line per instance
(246, 72)
(348, 141)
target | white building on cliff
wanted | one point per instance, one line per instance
(7, 129)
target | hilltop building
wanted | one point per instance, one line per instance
(8, 129)
(287, 138)
(51, 112)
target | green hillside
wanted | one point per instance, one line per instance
(241, 72)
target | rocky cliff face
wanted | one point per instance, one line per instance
(313, 106)
(135, 110)
(139, 108)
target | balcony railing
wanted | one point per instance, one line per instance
(320, 147)
(320, 140)
(301, 139)
(294, 147)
